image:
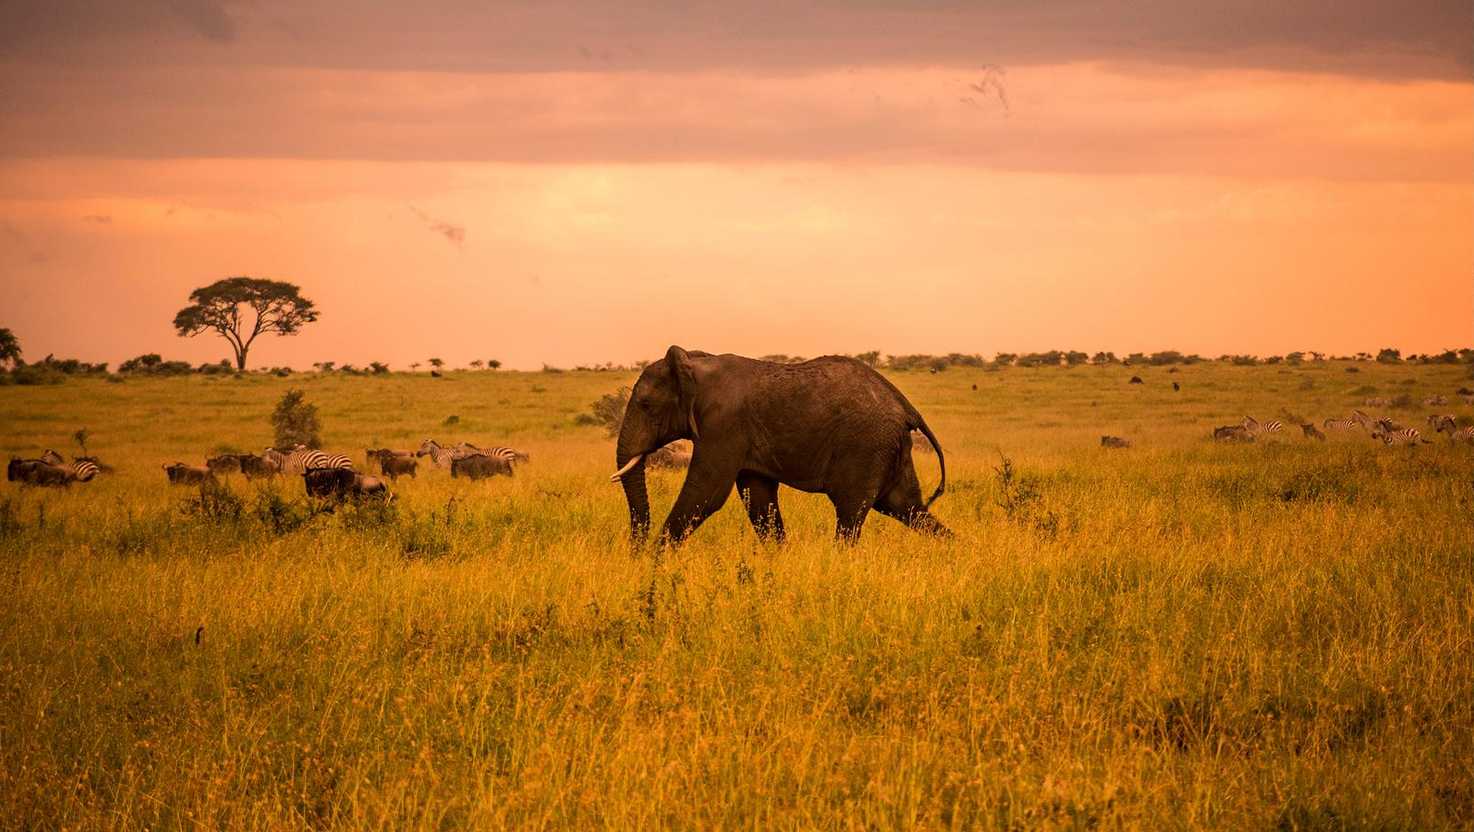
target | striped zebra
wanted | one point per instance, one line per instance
(81, 470)
(507, 455)
(301, 459)
(1342, 424)
(1446, 424)
(1399, 436)
(1254, 427)
(440, 456)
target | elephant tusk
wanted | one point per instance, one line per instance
(691, 417)
(627, 466)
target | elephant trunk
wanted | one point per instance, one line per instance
(630, 457)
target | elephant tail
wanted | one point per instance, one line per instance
(937, 446)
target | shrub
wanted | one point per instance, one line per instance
(1388, 355)
(609, 411)
(295, 421)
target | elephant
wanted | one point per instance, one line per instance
(831, 425)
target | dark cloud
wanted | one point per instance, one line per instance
(456, 234)
(1414, 38)
(106, 29)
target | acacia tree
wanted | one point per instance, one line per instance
(220, 307)
(9, 348)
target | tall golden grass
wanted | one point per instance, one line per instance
(1277, 635)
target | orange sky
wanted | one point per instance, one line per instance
(557, 183)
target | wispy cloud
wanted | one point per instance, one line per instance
(456, 234)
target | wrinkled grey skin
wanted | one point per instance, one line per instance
(478, 467)
(832, 426)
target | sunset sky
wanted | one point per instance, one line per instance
(576, 182)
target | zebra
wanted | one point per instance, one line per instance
(301, 459)
(508, 455)
(440, 456)
(1399, 436)
(1343, 424)
(1446, 424)
(80, 469)
(1254, 427)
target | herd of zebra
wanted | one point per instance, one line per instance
(1384, 430)
(463, 460)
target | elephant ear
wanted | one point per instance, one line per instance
(684, 376)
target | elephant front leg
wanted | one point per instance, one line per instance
(760, 495)
(705, 491)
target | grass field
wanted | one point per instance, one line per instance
(1181, 634)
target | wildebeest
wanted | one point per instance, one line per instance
(36, 472)
(1312, 432)
(479, 466)
(1232, 433)
(1114, 442)
(342, 483)
(373, 455)
(256, 466)
(1176, 387)
(224, 464)
(397, 466)
(181, 474)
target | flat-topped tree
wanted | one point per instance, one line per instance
(242, 308)
(9, 348)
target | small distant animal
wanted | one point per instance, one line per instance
(479, 466)
(1446, 424)
(1136, 380)
(301, 458)
(1400, 436)
(181, 474)
(1375, 402)
(396, 466)
(974, 387)
(1312, 432)
(1257, 428)
(344, 483)
(1343, 424)
(511, 455)
(224, 464)
(37, 472)
(1436, 401)
(1232, 433)
(1176, 387)
(373, 455)
(1464, 391)
(84, 468)
(102, 467)
(256, 466)
(1114, 442)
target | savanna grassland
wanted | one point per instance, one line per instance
(1180, 634)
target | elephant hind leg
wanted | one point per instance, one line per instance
(849, 516)
(903, 502)
(760, 495)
